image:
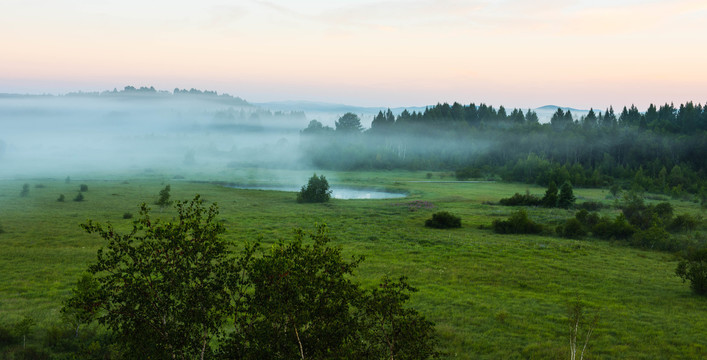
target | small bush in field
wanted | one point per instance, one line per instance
(517, 223)
(443, 220)
(79, 197)
(693, 268)
(61, 198)
(521, 200)
(572, 229)
(127, 215)
(83, 187)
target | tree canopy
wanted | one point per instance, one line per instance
(177, 290)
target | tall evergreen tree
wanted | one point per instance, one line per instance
(550, 198)
(566, 198)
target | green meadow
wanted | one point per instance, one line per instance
(491, 296)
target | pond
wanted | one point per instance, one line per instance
(345, 193)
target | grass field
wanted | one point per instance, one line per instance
(491, 296)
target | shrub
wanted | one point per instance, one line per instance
(684, 222)
(586, 218)
(517, 223)
(521, 200)
(61, 198)
(316, 191)
(693, 267)
(572, 229)
(83, 187)
(619, 228)
(591, 206)
(79, 197)
(443, 220)
(655, 237)
(127, 215)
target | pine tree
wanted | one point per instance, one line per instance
(566, 198)
(550, 198)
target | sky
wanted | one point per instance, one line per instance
(517, 53)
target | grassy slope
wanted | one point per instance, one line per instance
(492, 296)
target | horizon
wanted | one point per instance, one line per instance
(580, 54)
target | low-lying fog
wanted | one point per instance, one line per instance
(136, 130)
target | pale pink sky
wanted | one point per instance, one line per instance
(577, 53)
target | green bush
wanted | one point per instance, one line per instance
(83, 187)
(127, 215)
(517, 223)
(316, 191)
(683, 222)
(591, 206)
(572, 228)
(521, 200)
(79, 197)
(619, 228)
(693, 268)
(655, 237)
(61, 198)
(444, 220)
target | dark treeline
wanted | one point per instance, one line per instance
(660, 150)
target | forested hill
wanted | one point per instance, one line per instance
(662, 149)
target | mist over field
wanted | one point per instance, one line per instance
(138, 130)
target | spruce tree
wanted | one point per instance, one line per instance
(566, 198)
(550, 198)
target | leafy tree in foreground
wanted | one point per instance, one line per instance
(317, 190)
(176, 290)
(161, 287)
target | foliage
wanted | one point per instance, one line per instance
(444, 220)
(572, 228)
(591, 206)
(683, 222)
(521, 200)
(578, 323)
(655, 237)
(83, 187)
(61, 198)
(25, 190)
(177, 290)
(693, 268)
(550, 198)
(316, 191)
(127, 215)
(349, 123)
(163, 199)
(391, 330)
(151, 279)
(79, 197)
(23, 328)
(566, 198)
(84, 304)
(619, 228)
(517, 223)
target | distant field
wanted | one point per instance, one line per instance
(491, 296)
